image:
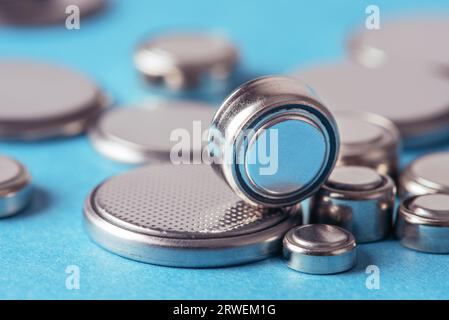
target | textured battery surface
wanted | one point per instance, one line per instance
(186, 201)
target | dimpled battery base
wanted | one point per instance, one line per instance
(15, 189)
(183, 216)
(39, 101)
(358, 199)
(188, 63)
(368, 140)
(426, 174)
(152, 133)
(413, 97)
(274, 142)
(423, 223)
(319, 249)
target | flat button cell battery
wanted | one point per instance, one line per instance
(418, 40)
(152, 133)
(427, 174)
(188, 62)
(183, 216)
(319, 249)
(414, 98)
(15, 189)
(35, 12)
(42, 101)
(423, 223)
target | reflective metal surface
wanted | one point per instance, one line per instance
(151, 133)
(418, 40)
(427, 174)
(273, 141)
(319, 249)
(358, 199)
(184, 62)
(413, 97)
(423, 223)
(41, 101)
(369, 140)
(15, 190)
(183, 216)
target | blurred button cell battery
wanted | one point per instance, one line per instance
(152, 133)
(276, 142)
(183, 216)
(44, 101)
(15, 189)
(188, 62)
(414, 98)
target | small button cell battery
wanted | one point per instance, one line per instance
(368, 140)
(413, 97)
(319, 249)
(43, 101)
(166, 131)
(426, 174)
(183, 216)
(358, 199)
(423, 223)
(186, 63)
(275, 142)
(15, 189)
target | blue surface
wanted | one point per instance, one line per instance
(37, 245)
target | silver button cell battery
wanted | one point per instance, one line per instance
(319, 249)
(358, 199)
(162, 131)
(423, 223)
(183, 216)
(426, 174)
(15, 188)
(188, 63)
(368, 140)
(273, 142)
(413, 97)
(43, 101)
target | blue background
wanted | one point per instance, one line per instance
(275, 37)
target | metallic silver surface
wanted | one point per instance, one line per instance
(303, 154)
(144, 134)
(36, 12)
(319, 249)
(188, 61)
(368, 140)
(418, 40)
(411, 96)
(183, 216)
(423, 223)
(358, 199)
(42, 101)
(426, 174)
(15, 190)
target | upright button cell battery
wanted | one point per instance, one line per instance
(276, 143)
(15, 189)
(44, 101)
(165, 131)
(368, 140)
(183, 216)
(413, 97)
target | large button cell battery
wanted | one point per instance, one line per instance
(423, 223)
(273, 141)
(183, 216)
(319, 249)
(42, 101)
(358, 199)
(368, 140)
(15, 188)
(151, 133)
